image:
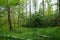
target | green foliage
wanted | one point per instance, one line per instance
(35, 20)
(38, 20)
(31, 33)
(9, 2)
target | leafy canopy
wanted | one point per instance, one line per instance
(10, 2)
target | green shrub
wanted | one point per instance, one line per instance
(40, 20)
(35, 20)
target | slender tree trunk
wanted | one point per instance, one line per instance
(26, 12)
(35, 6)
(9, 18)
(13, 21)
(23, 20)
(18, 19)
(43, 6)
(30, 7)
(58, 12)
(59, 8)
(26, 8)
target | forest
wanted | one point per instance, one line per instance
(29, 19)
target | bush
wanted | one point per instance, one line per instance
(40, 20)
(35, 21)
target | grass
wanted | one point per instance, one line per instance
(49, 33)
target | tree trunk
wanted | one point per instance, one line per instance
(13, 21)
(9, 18)
(18, 20)
(43, 6)
(59, 11)
(26, 12)
(30, 8)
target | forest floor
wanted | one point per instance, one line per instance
(24, 33)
